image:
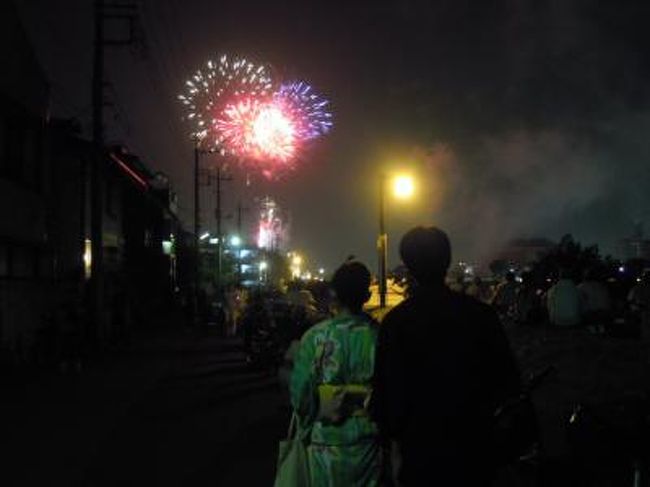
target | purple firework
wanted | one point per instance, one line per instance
(307, 108)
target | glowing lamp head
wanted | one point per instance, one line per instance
(235, 241)
(403, 187)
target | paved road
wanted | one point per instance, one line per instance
(188, 411)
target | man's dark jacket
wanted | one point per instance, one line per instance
(443, 366)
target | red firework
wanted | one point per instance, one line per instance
(258, 130)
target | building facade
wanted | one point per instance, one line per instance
(25, 253)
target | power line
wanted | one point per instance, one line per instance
(159, 76)
(155, 72)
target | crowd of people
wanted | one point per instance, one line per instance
(597, 303)
(412, 401)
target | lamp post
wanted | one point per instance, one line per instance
(402, 189)
(382, 243)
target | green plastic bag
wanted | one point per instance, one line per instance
(293, 466)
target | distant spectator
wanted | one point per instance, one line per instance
(304, 315)
(595, 301)
(563, 302)
(479, 290)
(505, 298)
(305, 300)
(639, 299)
(529, 305)
(457, 283)
(255, 316)
(238, 301)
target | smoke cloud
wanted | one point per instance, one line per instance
(528, 184)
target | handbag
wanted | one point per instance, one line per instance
(293, 467)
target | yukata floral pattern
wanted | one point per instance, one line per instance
(338, 351)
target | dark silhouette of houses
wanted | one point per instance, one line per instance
(25, 255)
(45, 248)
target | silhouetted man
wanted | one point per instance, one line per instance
(443, 365)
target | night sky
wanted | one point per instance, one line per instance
(520, 118)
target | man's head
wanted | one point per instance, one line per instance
(351, 284)
(426, 252)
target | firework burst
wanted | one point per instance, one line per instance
(234, 109)
(260, 134)
(216, 87)
(307, 109)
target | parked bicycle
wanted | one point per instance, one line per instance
(610, 442)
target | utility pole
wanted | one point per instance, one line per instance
(240, 209)
(102, 12)
(197, 229)
(218, 215)
(96, 193)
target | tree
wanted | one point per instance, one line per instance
(569, 256)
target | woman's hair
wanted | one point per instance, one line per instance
(350, 283)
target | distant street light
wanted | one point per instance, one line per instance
(296, 262)
(403, 188)
(263, 266)
(235, 241)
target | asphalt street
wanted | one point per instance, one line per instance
(184, 410)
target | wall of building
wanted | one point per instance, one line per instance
(25, 254)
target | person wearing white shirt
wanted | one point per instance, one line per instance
(563, 302)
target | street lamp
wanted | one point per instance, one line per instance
(403, 188)
(263, 266)
(296, 262)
